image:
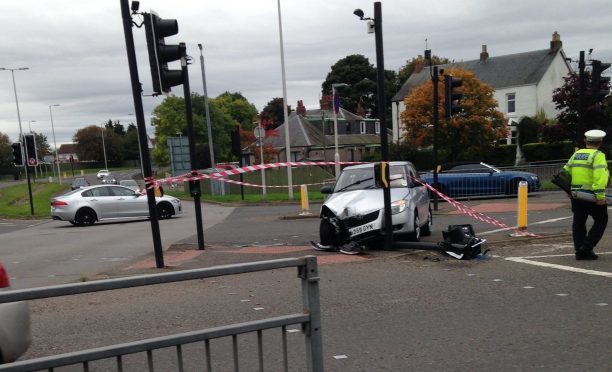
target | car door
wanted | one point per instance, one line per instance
(129, 203)
(102, 201)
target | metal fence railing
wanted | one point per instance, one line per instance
(481, 182)
(117, 357)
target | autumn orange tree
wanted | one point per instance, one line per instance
(467, 135)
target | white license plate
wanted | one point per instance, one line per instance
(361, 229)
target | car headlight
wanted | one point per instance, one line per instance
(535, 178)
(398, 206)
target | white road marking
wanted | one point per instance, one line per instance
(533, 223)
(527, 260)
(340, 357)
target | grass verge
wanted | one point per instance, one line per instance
(15, 200)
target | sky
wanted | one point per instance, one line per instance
(76, 53)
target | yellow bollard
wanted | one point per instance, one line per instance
(521, 221)
(304, 195)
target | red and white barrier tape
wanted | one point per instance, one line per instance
(474, 214)
(196, 175)
(251, 168)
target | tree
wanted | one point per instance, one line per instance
(465, 136)
(274, 112)
(238, 108)
(131, 148)
(567, 101)
(42, 146)
(89, 144)
(417, 64)
(6, 152)
(169, 121)
(357, 71)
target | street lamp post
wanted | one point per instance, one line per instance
(12, 70)
(26, 166)
(336, 109)
(104, 149)
(208, 123)
(286, 116)
(59, 177)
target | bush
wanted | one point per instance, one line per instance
(501, 155)
(533, 152)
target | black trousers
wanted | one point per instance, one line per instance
(582, 210)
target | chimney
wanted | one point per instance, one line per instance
(300, 109)
(484, 55)
(326, 102)
(555, 43)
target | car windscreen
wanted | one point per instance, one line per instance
(363, 178)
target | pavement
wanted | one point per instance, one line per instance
(485, 216)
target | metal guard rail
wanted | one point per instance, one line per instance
(310, 319)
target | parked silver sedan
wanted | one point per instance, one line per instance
(354, 209)
(15, 336)
(85, 206)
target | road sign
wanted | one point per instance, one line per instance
(259, 132)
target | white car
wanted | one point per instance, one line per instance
(131, 184)
(102, 173)
(15, 336)
(85, 206)
(354, 210)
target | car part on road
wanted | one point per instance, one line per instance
(459, 242)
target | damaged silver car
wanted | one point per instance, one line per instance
(354, 209)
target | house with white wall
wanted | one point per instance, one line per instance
(523, 83)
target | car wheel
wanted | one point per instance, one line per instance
(85, 217)
(426, 230)
(164, 211)
(512, 187)
(415, 236)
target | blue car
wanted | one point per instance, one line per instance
(479, 179)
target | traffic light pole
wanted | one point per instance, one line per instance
(142, 134)
(581, 100)
(195, 189)
(384, 144)
(435, 119)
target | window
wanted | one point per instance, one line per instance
(362, 127)
(511, 102)
(377, 127)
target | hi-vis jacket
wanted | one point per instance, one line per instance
(589, 170)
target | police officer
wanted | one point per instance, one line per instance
(589, 170)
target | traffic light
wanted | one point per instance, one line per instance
(160, 54)
(17, 154)
(600, 85)
(452, 98)
(30, 149)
